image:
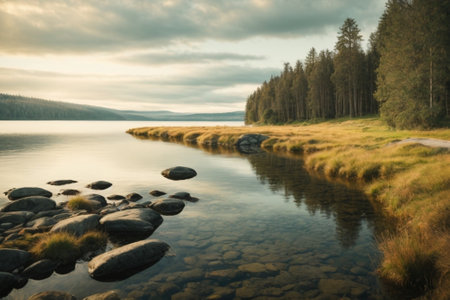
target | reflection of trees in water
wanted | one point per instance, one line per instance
(349, 207)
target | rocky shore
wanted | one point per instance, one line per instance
(32, 216)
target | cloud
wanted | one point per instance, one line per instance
(166, 58)
(199, 90)
(55, 26)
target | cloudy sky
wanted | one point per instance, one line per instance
(178, 55)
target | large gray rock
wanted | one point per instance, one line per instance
(15, 217)
(7, 283)
(52, 295)
(179, 173)
(134, 221)
(50, 213)
(61, 182)
(27, 192)
(34, 204)
(11, 259)
(40, 269)
(250, 143)
(78, 225)
(168, 206)
(42, 222)
(127, 260)
(99, 185)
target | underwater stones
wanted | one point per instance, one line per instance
(62, 182)
(341, 287)
(110, 295)
(23, 192)
(7, 283)
(168, 206)
(127, 260)
(179, 173)
(40, 269)
(11, 259)
(77, 225)
(33, 203)
(134, 221)
(133, 197)
(157, 193)
(99, 185)
(250, 143)
(52, 295)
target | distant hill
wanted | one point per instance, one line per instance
(25, 108)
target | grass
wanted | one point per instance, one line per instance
(410, 181)
(79, 202)
(59, 246)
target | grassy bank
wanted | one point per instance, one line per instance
(410, 180)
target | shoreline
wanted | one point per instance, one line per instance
(410, 181)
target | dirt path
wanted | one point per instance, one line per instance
(426, 142)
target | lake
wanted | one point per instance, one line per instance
(263, 227)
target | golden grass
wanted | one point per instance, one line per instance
(59, 246)
(79, 202)
(411, 181)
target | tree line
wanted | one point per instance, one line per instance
(403, 75)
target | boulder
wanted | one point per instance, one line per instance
(116, 197)
(133, 197)
(99, 185)
(42, 222)
(110, 295)
(34, 204)
(78, 225)
(50, 213)
(40, 270)
(179, 173)
(28, 192)
(52, 295)
(7, 283)
(61, 182)
(250, 143)
(69, 192)
(157, 193)
(127, 260)
(96, 197)
(133, 221)
(15, 217)
(11, 259)
(168, 206)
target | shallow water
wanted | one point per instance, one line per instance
(263, 227)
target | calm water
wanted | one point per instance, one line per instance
(262, 228)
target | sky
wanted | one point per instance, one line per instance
(177, 55)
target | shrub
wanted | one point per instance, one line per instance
(59, 246)
(79, 202)
(92, 241)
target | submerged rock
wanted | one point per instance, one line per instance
(99, 185)
(168, 206)
(61, 182)
(127, 260)
(157, 193)
(28, 192)
(134, 221)
(7, 283)
(78, 225)
(250, 143)
(52, 295)
(133, 197)
(33, 203)
(110, 295)
(11, 259)
(179, 173)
